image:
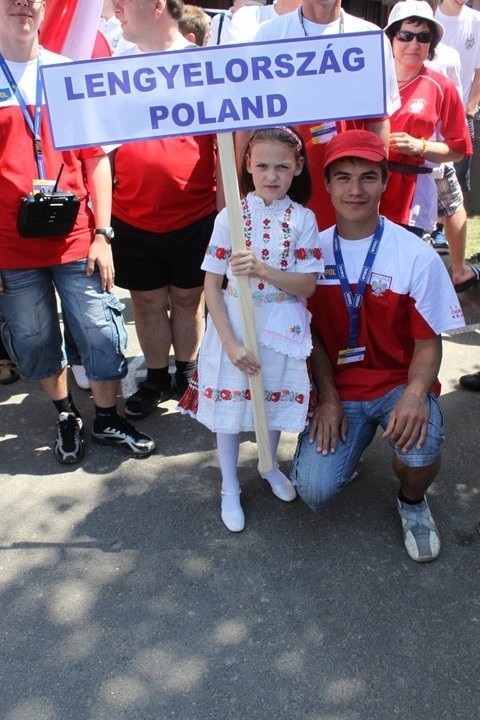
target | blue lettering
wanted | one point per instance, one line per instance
(157, 114)
(168, 75)
(190, 72)
(93, 84)
(122, 83)
(303, 69)
(276, 105)
(329, 62)
(249, 108)
(144, 80)
(261, 65)
(286, 66)
(230, 70)
(211, 79)
(227, 111)
(187, 110)
(71, 94)
(353, 59)
(202, 118)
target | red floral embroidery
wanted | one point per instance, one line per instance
(220, 253)
(299, 399)
(275, 397)
(225, 394)
(248, 394)
(208, 392)
(301, 254)
(317, 253)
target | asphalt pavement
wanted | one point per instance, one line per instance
(125, 598)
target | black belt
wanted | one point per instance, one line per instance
(409, 169)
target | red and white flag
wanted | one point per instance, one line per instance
(70, 28)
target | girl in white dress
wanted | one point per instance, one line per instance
(282, 259)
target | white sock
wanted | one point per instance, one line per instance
(228, 445)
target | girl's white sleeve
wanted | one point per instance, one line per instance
(219, 248)
(308, 253)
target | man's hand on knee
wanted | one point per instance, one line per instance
(329, 423)
(408, 422)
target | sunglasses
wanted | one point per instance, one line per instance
(406, 36)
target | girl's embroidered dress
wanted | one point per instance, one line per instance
(285, 235)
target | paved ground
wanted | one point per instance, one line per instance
(124, 598)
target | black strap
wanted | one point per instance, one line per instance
(409, 169)
(220, 25)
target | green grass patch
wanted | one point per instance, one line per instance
(473, 235)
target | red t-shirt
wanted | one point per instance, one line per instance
(431, 109)
(18, 169)
(165, 184)
(409, 296)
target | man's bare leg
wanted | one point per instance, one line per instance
(456, 234)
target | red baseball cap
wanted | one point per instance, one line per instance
(355, 143)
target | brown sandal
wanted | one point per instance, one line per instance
(8, 372)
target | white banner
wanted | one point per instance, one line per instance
(215, 89)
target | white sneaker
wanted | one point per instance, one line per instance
(80, 378)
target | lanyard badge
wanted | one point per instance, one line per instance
(353, 300)
(33, 124)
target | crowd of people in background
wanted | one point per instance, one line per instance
(398, 181)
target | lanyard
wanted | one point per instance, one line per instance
(354, 301)
(341, 28)
(34, 124)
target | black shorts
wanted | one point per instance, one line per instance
(146, 260)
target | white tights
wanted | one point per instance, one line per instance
(228, 445)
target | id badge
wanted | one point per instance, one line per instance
(43, 186)
(323, 132)
(351, 355)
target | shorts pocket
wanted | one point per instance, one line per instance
(7, 338)
(120, 337)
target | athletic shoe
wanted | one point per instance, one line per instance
(420, 534)
(69, 443)
(81, 379)
(439, 242)
(119, 432)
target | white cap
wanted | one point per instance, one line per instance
(413, 8)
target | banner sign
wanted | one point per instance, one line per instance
(214, 89)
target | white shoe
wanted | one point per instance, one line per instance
(80, 377)
(283, 489)
(234, 520)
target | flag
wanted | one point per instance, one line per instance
(70, 27)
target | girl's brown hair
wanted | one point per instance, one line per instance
(301, 187)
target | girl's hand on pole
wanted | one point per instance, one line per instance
(244, 262)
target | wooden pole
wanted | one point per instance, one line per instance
(235, 222)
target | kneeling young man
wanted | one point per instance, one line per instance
(377, 317)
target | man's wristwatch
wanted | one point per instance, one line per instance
(108, 232)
